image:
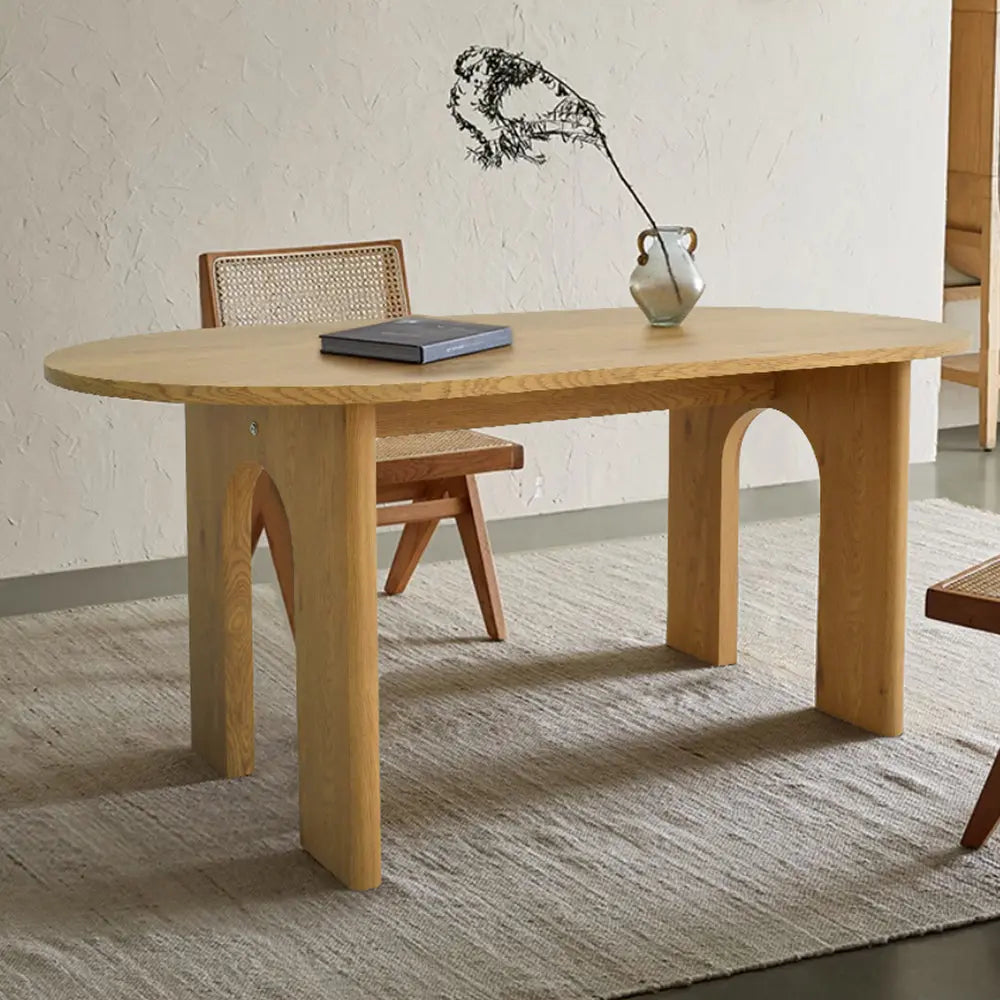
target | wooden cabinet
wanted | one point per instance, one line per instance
(972, 238)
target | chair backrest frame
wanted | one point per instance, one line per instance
(212, 313)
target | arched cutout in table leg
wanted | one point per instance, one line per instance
(220, 505)
(857, 420)
(703, 528)
(269, 517)
(321, 460)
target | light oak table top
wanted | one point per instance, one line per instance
(282, 365)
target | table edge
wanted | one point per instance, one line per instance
(340, 395)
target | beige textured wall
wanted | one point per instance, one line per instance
(804, 140)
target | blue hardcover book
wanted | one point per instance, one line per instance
(416, 339)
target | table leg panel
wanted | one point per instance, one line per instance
(220, 487)
(858, 420)
(703, 531)
(322, 461)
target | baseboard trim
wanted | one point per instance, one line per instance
(167, 577)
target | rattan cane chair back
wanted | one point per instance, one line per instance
(972, 599)
(345, 283)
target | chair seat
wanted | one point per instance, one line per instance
(970, 598)
(414, 458)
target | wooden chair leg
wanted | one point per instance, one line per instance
(989, 324)
(986, 815)
(476, 543)
(269, 516)
(412, 544)
(989, 397)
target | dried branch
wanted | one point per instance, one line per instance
(487, 77)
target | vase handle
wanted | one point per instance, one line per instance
(643, 256)
(684, 231)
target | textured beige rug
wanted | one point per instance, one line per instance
(576, 813)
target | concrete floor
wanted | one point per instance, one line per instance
(963, 963)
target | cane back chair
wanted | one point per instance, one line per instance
(422, 477)
(972, 599)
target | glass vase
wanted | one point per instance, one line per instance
(666, 283)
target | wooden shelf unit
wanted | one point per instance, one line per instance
(961, 368)
(972, 236)
(962, 293)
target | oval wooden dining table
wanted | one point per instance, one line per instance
(263, 401)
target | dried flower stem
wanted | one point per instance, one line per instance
(492, 74)
(628, 186)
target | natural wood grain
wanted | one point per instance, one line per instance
(420, 510)
(986, 815)
(476, 543)
(976, 5)
(973, 111)
(989, 325)
(963, 369)
(989, 308)
(394, 492)
(966, 195)
(219, 515)
(426, 467)
(322, 462)
(857, 420)
(571, 404)
(282, 365)
(269, 516)
(972, 239)
(413, 542)
(702, 526)
(207, 297)
(989, 393)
